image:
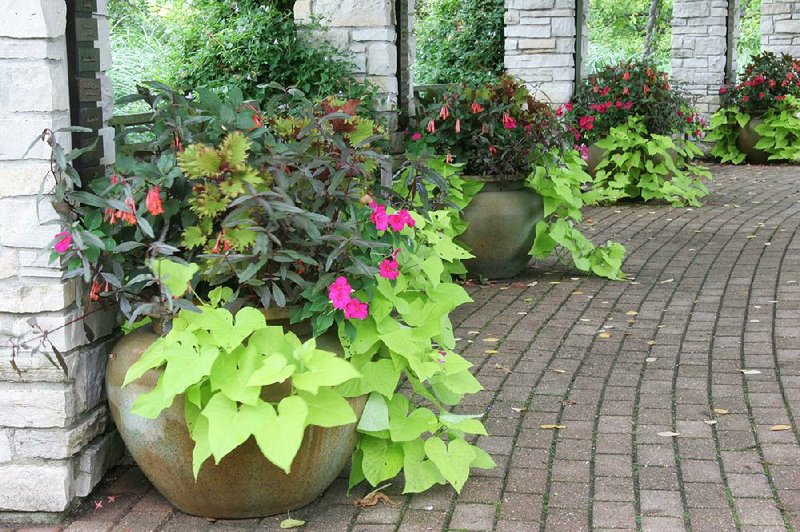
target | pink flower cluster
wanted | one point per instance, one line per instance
(339, 295)
(384, 220)
(63, 242)
(390, 268)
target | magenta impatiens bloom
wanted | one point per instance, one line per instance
(356, 309)
(401, 219)
(389, 269)
(63, 243)
(379, 216)
(339, 293)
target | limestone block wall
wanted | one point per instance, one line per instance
(540, 45)
(699, 49)
(55, 440)
(780, 26)
(365, 28)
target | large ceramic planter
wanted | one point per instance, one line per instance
(595, 158)
(244, 484)
(502, 221)
(747, 140)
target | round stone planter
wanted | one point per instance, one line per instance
(502, 221)
(747, 140)
(244, 484)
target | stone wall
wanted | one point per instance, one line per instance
(540, 45)
(55, 442)
(699, 49)
(780, 26)
(367, 30)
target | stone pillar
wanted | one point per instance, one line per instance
(540, 46)
(365, 28)
(780, 26)
(699, 49)
(55, 442)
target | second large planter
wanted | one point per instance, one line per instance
(747, 140)
(502, 221)
(244, 484)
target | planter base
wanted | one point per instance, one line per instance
(747, 140)
(244, 484)
(502, 221)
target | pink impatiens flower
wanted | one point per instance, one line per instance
(509, 122)
(379, 216)
(63, 243)
(389, 269)
(339, 293)
(416, 136)
(355, 309)
(401, 219)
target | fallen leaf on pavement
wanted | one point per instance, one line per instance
(750, 371)
(631, 313)
(291, 523)
(669, 434)
(552, 427)
(776, 428)
(721, 411)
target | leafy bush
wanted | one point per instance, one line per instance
(249, 43)
(560, 187)
(639, 164)
(610, 97)
(459, 41)
(494, 129)
(617, 31)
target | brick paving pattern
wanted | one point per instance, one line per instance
(702, 340)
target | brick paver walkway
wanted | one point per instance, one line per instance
(702, 341)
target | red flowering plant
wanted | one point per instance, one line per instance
(767, 90)
(612, 95)
(496, 129)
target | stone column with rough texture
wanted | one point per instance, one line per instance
(367, 30)
(55, 439)
(780, 26)
(699, 46)
(540, 45)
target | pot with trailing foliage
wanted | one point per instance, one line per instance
(759, 121)
(496, 133)
(636, 131)
(230, 413)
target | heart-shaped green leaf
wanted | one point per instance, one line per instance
(452, 461)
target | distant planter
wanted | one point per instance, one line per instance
(502, 221)
(747, 140)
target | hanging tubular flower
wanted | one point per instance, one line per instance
(458, 125)
(339, 293)
(128, 215)
(476, 108)
(509, 122)
(153, 201)
(445, 111)
(63, 242)
(94, 293)
(431, 126)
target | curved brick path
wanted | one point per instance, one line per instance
(715, 290)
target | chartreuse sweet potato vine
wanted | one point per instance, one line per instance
(407, 335)
(560, 188)
(779, 130)
(647, 166)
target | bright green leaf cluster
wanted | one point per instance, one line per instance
(780, 131)
(560, 188)
(224, 366)
(638, 164)
(723, 130)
